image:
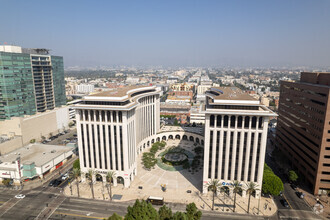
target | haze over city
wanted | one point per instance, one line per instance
(173, 33)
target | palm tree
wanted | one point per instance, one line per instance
(251, 187)
(75, 174)
(89, 176)
(236, 189)
(213, 185)
(109, 177)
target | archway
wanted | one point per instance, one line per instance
(120, 180)
(148, 143)
(158, 139)
(202, 142)
(191, 138)
(99, 177)
(153, 141)
(170, 137)
(184, 137)
(197, 140)
(177, 136)
(164, 138)
(144, 146)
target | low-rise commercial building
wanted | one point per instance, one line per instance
(33, 161)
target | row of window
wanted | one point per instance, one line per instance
(230, 121)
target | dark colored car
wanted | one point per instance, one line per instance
(293, 186)
(285, 203)
(57, 183)
(51, 183)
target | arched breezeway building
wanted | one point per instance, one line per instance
(170, 135)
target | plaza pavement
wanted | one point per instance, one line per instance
(177, 183)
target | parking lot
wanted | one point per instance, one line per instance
(63, 138)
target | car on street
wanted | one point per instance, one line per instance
(20, 196)
(293, 186)
(285, 203)
(65, 176)
(51, 183)
(57, 183)
(300, 195)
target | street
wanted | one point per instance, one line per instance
(298, 209)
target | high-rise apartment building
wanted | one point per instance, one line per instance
(236, 128)
(31, 81)
(303, 130)
(111, 125)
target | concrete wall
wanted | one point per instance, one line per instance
(33, 127)
(39, 125)
(10, 145)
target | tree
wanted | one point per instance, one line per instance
(141, 210)
(251, 188)
(76, 164)
(180, 216)
(115, 216)
(192, 212)
(32, 141)
(271, 183)
(109, 177)
(293, 176)
(75, 174)
(89, 176)
(43, 138)
(236, 189)
(6, 182)
(165, 213)
(213, 185)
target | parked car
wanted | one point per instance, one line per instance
(300, 195)
(293, 186)
(285, 203)
(20, 196)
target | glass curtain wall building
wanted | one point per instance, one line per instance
(30, 81)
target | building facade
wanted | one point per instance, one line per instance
(236, 127)
(111, 125)
(31, 81)
(303, 130)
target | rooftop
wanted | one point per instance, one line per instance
(119, 92)
(231, 93)
(38, 153)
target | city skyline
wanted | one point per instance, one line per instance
(174, 34)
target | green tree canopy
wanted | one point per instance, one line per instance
(141, 210)
(180, 216)
(76, 164)
(115, 216)
(165, 213)
(293, 176)
(192, 212)
(271, 183)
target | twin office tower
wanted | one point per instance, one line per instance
(113, 125)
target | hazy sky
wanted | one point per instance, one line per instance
(173, 33)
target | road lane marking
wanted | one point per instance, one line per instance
(287, 201)
(83, 216)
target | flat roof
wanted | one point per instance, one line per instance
(231, 93)
(40, 154)
(118, 92)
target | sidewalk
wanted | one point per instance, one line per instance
(39, 182)
(311, 200)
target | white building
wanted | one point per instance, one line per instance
(111, 125)
(235, 138)
(33, 160)
(85, 88)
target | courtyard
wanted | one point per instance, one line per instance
(182, 186)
